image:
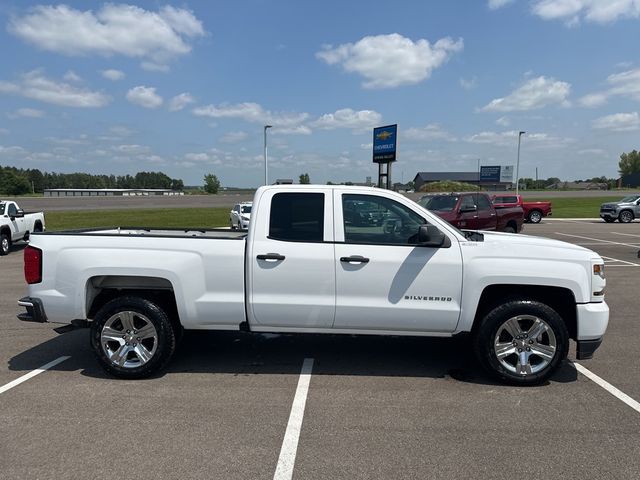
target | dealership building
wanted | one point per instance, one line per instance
(491, 178)
(108, 192)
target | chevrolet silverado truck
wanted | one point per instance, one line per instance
(624, 211)
(533, 211)
(16, 225)
(322, 260)
(474, 211)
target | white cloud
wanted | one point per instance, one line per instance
(593, 100)
(387, 61)
(510, 139)
(234, 137)
(131, 149)
(623, 84)
(180, 101)
(155, 67)
(496, 4)
(469, 84)
(114, 29)
(144, 96)
(533, 94)
(618, 122)
(36, 86)
(26, 113)
(503, 121)
(113, 74)
(597, 11)
(121, 131)
(348, 118)
(428, 133)
(72, 76)
(254, 113)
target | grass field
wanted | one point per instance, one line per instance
(219, 217)
(170, 217)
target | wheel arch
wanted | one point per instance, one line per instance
(102, 289)
(562, 300)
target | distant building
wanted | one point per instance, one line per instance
(473, 178)
(108, 192)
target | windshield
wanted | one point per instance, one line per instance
(245, 209)
(630, 199)
(444, 203)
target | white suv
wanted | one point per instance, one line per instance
(240, 215)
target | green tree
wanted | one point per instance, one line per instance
(629, 163)
(304, 179)
(211, 183)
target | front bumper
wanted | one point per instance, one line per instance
(35, 310)
(586, 348)
(593, 319)
(608, 214)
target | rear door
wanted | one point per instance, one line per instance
(291, 272)
(384, 281)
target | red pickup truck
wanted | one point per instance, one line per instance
(533, 211)
(474, 211)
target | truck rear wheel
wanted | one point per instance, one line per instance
(521, 342)
(132, 337)
(5, 244)
(535, 216)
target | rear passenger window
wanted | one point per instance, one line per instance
(483, 203)
(297, 217)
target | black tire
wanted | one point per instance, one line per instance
(509, 229)
(141, 313)
(5, 244)
(495, 329)
(535, 216)
(609, 219)
(37, 228)
(625, 216)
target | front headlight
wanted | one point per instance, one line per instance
(598, 281)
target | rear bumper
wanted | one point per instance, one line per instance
(35, 310)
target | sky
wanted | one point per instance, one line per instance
(186, 88)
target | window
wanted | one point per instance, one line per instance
(1, 208)
(467, 202)
(511, 199)
(13, 211)
(246, 209)
(482, 202)
(297, 217)
(379, 220)
(444, 203)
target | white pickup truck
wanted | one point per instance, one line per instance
(15, 225)
(322, 259)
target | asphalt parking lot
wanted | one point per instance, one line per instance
(375, 407)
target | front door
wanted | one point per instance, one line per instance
(384, 281)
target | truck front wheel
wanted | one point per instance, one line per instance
(5, 244)
(521, 342)
(132, 337)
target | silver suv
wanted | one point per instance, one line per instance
(625, 210)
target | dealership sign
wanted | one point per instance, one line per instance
(496, 174)
(385, 143)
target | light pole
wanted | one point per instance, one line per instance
(517, 162)
(266, 177)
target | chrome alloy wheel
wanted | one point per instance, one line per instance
(5, 245)
(535, 216)
(525, 345)
(129, 339)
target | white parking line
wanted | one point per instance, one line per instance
(626, 234)
(620, 395)
(626, 264)
(287, 459)
(598, 240)
(32, 374)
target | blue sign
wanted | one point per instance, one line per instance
(384, 144)
(490, 174)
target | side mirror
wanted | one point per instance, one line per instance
(430, 236)
(20, 213)
(471, 208)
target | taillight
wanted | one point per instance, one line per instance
(32, 265)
